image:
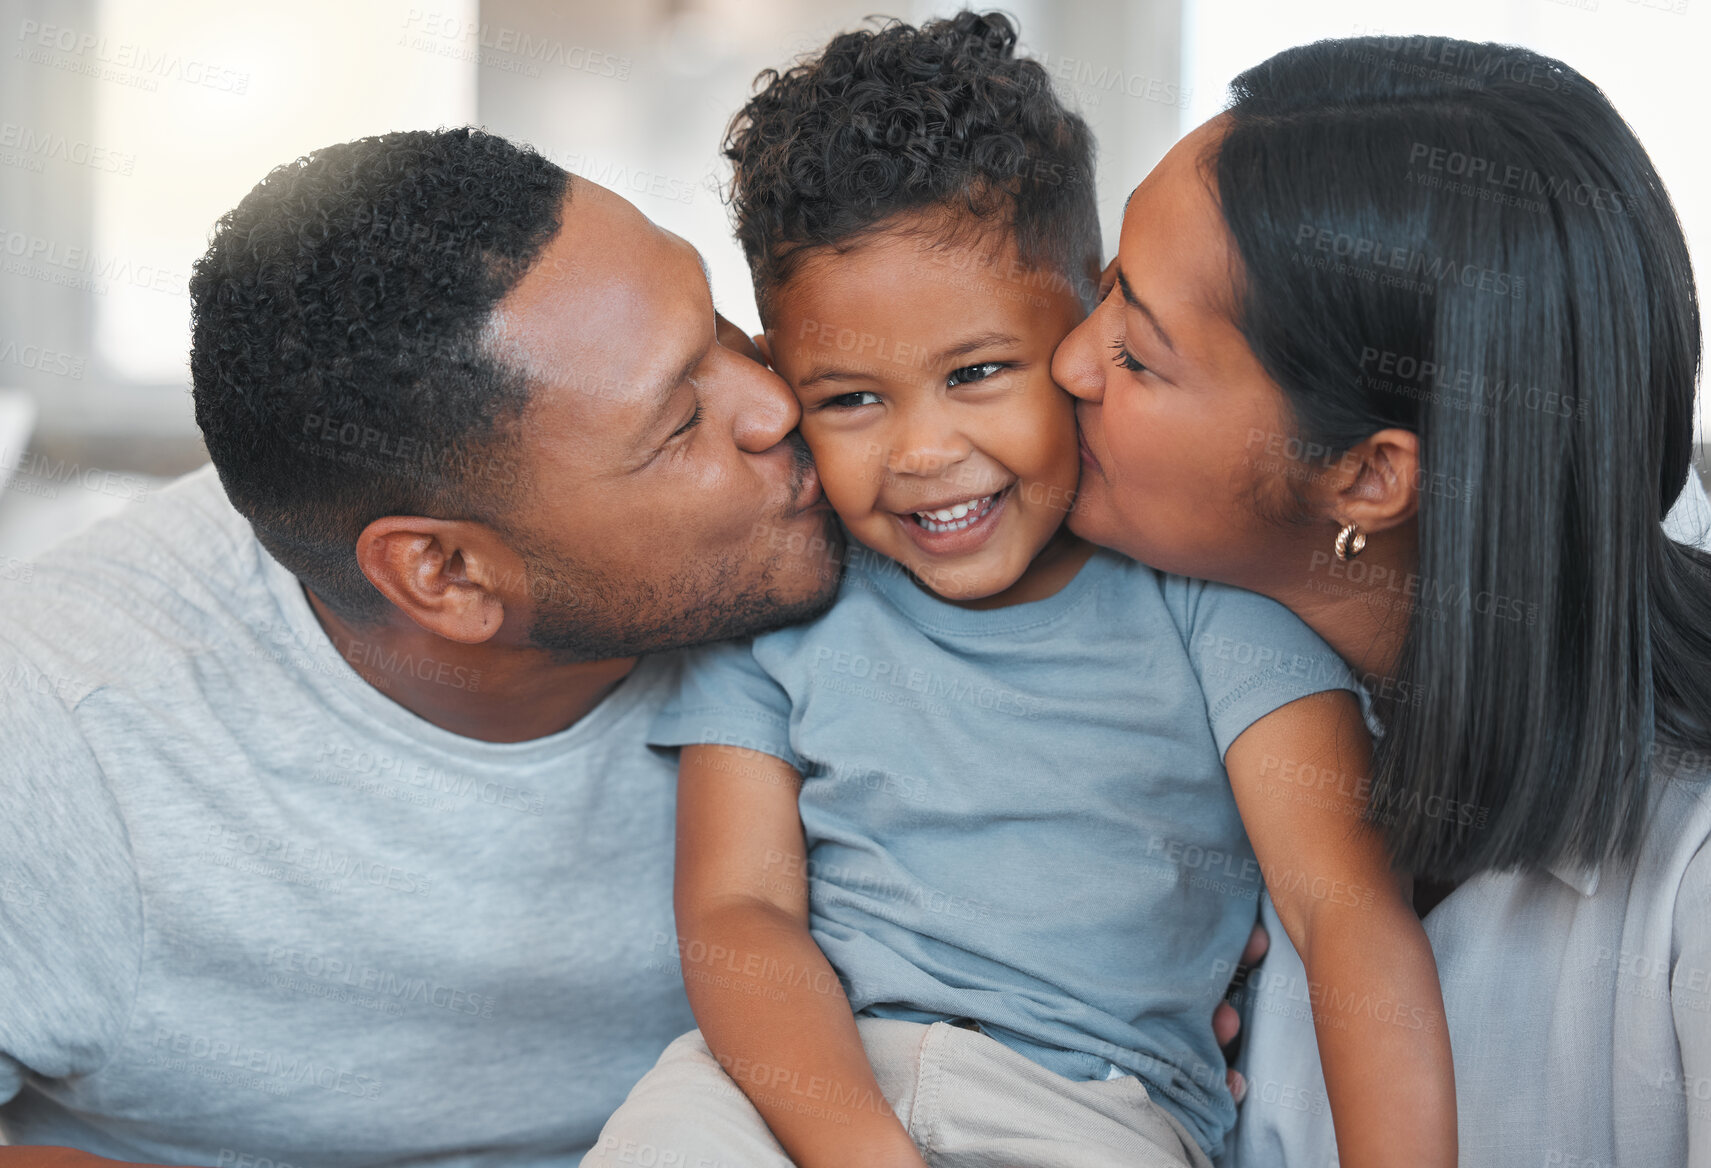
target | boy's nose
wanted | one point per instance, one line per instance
(926, 450)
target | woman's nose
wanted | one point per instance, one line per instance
(1076, 365)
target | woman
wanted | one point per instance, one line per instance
(1407, 340)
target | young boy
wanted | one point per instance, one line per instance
(961, 874)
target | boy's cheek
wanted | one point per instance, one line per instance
(851, 470)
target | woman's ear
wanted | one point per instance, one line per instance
(1377, 482)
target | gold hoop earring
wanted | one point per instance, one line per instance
(1351, 542)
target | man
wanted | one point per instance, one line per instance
(327, 831)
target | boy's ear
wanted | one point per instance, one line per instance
(765, 347)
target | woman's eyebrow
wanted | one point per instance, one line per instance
(1135, 302)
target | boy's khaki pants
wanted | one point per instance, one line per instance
(966, 1099)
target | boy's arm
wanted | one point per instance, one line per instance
(1371, 978)
(767, 1001)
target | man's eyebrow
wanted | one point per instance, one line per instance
(1134, 302)
(940, 359)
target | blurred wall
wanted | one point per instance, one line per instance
(645, 105)
(128, 126)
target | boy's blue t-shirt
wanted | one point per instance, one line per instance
(1021, 815)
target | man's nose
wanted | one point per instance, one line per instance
(765, 409)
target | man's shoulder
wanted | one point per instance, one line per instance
(187, 533)
(151, 577)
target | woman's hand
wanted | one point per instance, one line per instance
(1225, 1021)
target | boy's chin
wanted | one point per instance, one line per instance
(977, 578)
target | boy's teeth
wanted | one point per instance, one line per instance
(955, 517)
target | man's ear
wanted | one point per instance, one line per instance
(1376, 483)
(449, 576)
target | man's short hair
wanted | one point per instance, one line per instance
(943, 118)
(338, 358)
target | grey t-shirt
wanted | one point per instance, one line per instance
(1021, 815)
(253, 910)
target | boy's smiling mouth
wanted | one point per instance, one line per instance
(956, 527)
(956, 516)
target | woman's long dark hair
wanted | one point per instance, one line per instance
(1466, 241)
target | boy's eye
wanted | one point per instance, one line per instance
(978, 372)
(1125, 358)
(850, 401)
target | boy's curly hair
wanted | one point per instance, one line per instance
(896, 119)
